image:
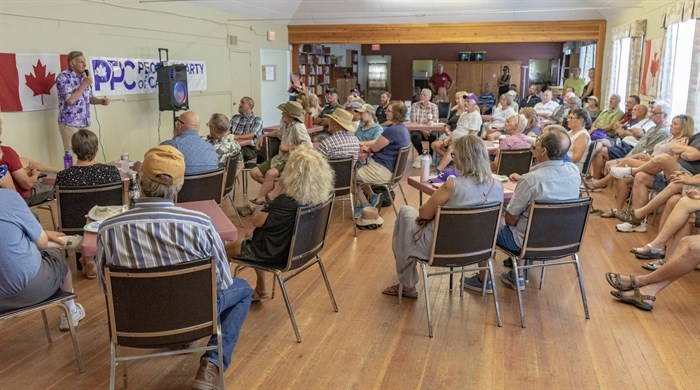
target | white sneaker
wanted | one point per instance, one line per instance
(627, 227)
(416, 163)
(76, 316)
(621, 172)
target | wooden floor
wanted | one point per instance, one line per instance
(374, 343)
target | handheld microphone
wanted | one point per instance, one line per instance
(87, 72)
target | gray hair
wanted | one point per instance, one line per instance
(665, 107)
(430, 93)
(509, 98)
(574, 100)
(219, 122)
(149, 188)
(471, 158)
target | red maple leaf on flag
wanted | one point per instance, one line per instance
(39, 82)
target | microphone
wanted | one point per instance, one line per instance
(87, 72)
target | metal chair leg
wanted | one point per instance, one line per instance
(580, 284)
(74, 337)
(424, 269)
(489, 275)
(328, 285)
(112, 365)
(542, 276)
(352, 210)
(278, 276)
(393, 200)
(516, 274)
(405, 201)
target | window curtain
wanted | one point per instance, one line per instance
(635, 31)
(614, 71)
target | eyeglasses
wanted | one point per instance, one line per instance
(656, 113)
(177, 118)
(572, 117)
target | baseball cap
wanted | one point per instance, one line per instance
(164, 165)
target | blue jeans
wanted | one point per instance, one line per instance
(506, 240)
(233, 304)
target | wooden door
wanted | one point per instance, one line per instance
(469, 77)
(451, 69)
(491, 73)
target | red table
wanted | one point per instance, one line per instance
(311, 129)
(429, 189)
(425, 127)
(226, 229)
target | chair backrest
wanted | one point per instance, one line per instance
(465, 236)
(164, 305)
(202, 186)
(589, 158)
(310, 228)
(443, 110)
(514, 161)
(401, 161)
(555, 230)
(271, 146)
(75, 202)
(344, 169)
(230, 173)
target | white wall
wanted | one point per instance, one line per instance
(131, 29)
(274, 91)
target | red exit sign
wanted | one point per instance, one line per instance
(376, 47)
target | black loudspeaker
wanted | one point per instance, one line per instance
(173, 94)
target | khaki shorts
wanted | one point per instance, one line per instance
(267, 165)
(67, 135)
(374, 173)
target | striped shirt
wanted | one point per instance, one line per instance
(240, 125)
(155, 233)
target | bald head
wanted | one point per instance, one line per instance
(188, 120)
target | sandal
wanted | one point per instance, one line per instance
(609, 214)
(649, 252)
(257, 296)
(394, 291)
(628, 216)
(637, 299)
(244, 211)
(653, 266)
(615, 280)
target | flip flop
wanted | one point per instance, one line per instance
(616, 282)
(394, 291)
(653, 266)
(637, 299)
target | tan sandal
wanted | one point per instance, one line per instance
(615, 280)
(637, 299)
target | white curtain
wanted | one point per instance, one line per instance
(630, 60)
(693, 108)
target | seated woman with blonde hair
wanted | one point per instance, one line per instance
(413, 230)
(307, 180)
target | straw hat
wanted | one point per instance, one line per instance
(293, 109)
(343, 118)
(370, 219)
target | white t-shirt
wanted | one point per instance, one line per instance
(548, 108)
(468, 121)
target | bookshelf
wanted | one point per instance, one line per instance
(315, 64)
(351, 57)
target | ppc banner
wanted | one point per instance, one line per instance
(128, 76)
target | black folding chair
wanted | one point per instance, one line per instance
(75, 202)
(344, 169)
(202, 186)
(399, 171)
(514, 161)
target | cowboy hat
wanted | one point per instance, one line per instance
(293, 109)
(370, 219)
(343, 118)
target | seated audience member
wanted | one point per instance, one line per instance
(469, 123)
(441, 96)
(500, 113)
(247, 127)
(550, 179)
(532, 98)
(559, 114)
(292, 134)
(307, 180)
(572, 103)
(219, 138)
(580, 139)
(30, 271)
(456, 112)
(342, 142)
(630, 102)
(487, 99)
(413, 230)
(355, 116)
(369, 129)
(680, 130)
(384, 156)
(5, 177)
(313, 107)
(199, 154)
(608, 117)
(136, 238)
(384, 99)
(593, 107)
(627, 136)
(322, 119)
(515, 106)
(641, 290)
(23, 174)
(422, 112)
(652, 141)
(532, 128)
(515, 139)
(546, 107)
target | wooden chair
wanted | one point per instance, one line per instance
(344, 169)
(184, 298)
(451, 250)
(308, 238)
(399, 171)
(554, 231)
(202, 186)
(514, 161)
(58, 300)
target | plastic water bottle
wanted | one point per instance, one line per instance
(125, 162)
(425, 167)
(134, 190)
(67, 160)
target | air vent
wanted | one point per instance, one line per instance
(232, 40)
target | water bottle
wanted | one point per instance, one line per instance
(125, 162)
(67, 160)
(134, 190)
(425, 167)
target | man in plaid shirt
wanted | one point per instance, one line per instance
(246, 126)
(342, 142)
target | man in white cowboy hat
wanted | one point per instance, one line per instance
(292, 133)
(342, 142)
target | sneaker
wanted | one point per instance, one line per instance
(621, 172)
(375, 199)
(509, 279)
(416, 163)
(358, 211)
(76, 316)
(474, 283)
(207, 377)
(627, 227)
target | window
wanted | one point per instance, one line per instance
(678, 55)
(620, 67)
(587, 58)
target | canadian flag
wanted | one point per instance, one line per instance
(28, 81)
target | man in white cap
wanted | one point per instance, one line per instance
(342, 142)
(136, 238)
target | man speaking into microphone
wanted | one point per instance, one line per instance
(74, 86)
